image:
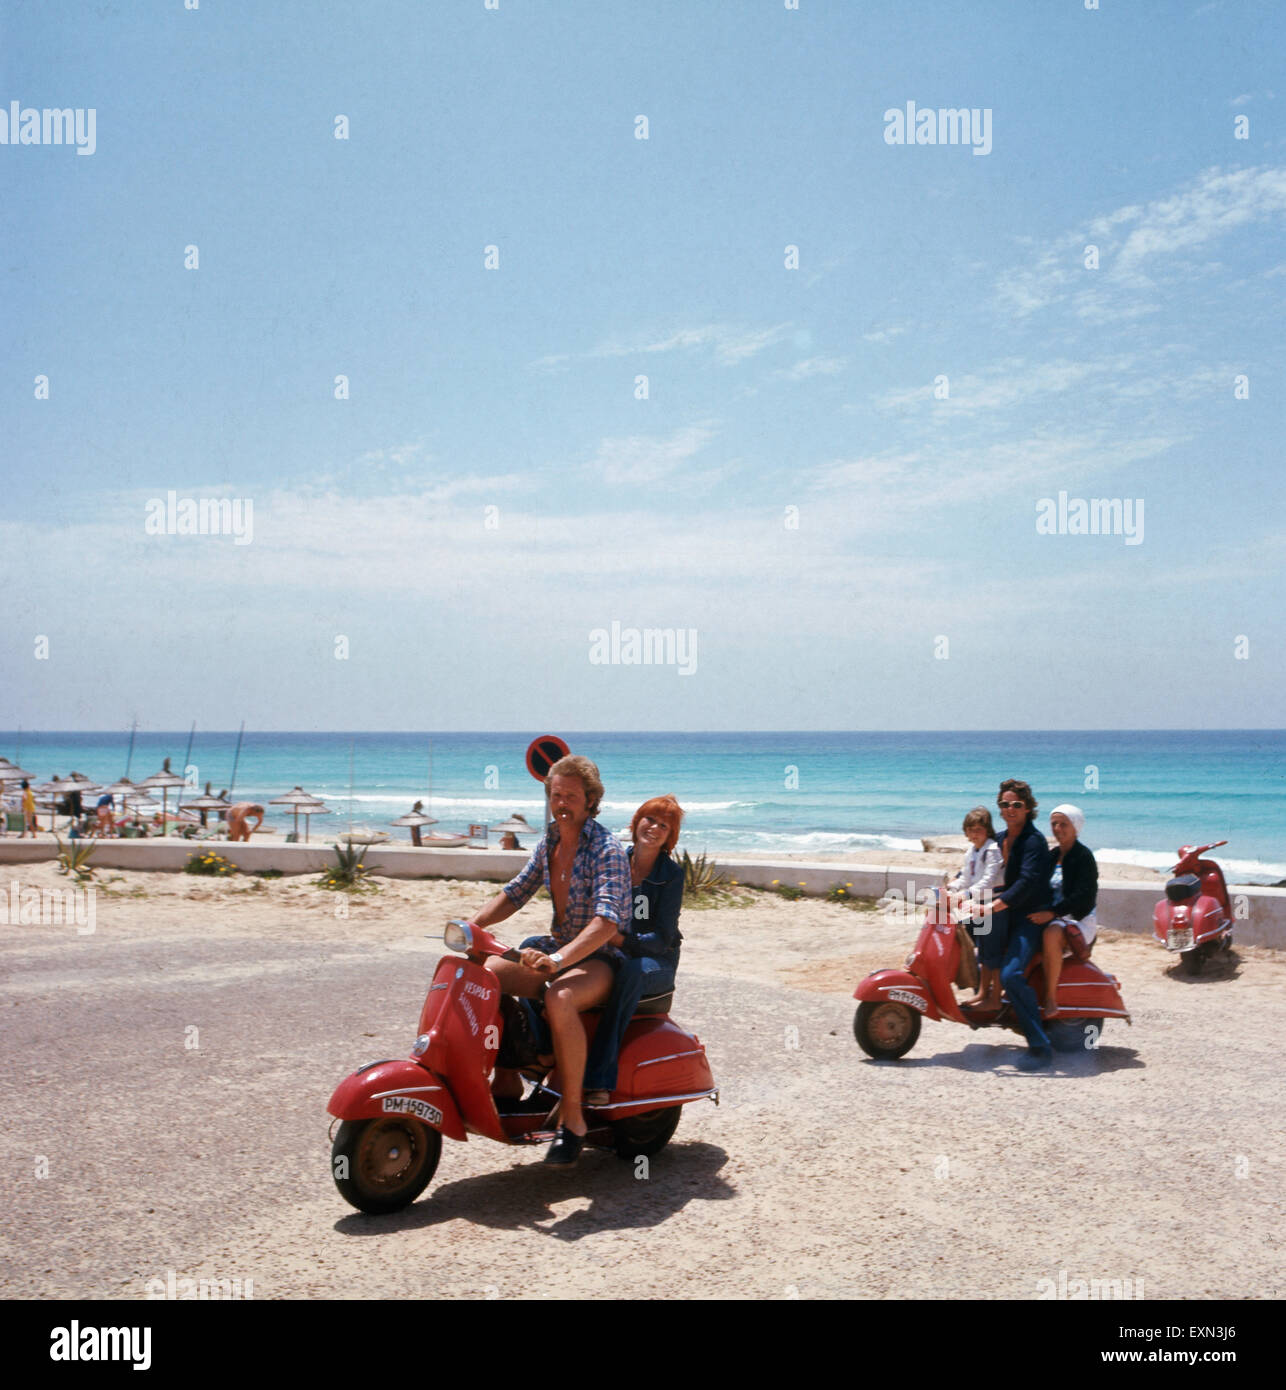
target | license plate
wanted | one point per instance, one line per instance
(408, 1105)
(1180, 940)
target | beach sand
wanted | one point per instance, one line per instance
(821, 1174)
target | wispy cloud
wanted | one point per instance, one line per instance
(728, 345)
(811, 366)
(641, 460)
(1140, 243)
(884, 335)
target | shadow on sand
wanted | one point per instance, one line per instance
(523, 1198)
(1002, 1057)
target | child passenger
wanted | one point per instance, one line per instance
(982, 867)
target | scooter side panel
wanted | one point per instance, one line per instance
(1207, 920)
(397, 1087)
(658, 1058)
(1085, 991)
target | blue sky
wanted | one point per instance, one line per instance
(513, 389)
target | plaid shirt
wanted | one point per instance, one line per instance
(599, 884)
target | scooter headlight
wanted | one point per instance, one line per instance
(458, 936)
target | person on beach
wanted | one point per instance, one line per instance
(28, 810)
(238, 815)
(586, 871)
(105, 814)
(983, 865)
(652, 946)
(1071, 923)
(1009, 935)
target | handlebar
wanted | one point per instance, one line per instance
(1189, 854)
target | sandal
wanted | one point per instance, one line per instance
(595, 1099)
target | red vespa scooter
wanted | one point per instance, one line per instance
(394, 1113)
(892, 1002)
(1195, 916)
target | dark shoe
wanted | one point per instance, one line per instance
(1035, 1059)
(565, 1149)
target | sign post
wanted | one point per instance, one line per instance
(542, 754)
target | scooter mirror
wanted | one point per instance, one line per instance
(457, 936)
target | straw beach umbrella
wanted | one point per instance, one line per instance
(516, 825)
(51, 793)
(207, 803)
(313, 808)
(416, 820)
(297, 798)
(163, 780)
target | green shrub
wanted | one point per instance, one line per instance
(73, 858)
(348, 874)
(209, 863)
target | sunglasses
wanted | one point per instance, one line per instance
(1012, 805)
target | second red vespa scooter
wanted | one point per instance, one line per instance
(394, 1113)
(892, 1002)
(1195, 917)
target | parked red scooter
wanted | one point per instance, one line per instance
(394, 1113)
(892, 1002)
(1195, 917)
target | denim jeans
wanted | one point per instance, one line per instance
(993, 937)
(637, 976)
(1024, 941)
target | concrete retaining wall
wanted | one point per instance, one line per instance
(1122, 905)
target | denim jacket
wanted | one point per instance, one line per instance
(658, 900)
(1027, 871)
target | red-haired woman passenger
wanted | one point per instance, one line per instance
(651, 947)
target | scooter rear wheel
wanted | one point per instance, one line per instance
(886, 1029)
(644, 1135)
(383, 1165)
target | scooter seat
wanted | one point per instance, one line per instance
(649, 1005)
(655, 1004)
(1180, 889)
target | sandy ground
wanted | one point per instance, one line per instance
(169, 1072)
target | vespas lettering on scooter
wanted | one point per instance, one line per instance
(470, 1015)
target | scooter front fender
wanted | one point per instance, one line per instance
(899, 986)
(400, 1087)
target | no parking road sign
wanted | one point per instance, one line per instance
(543, 753)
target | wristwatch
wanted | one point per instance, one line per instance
(557, 958)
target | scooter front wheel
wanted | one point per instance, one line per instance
(383, 1165)
(886, 1029)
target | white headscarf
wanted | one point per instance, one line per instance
(1073, 814)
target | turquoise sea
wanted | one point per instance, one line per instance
(1143, 793)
